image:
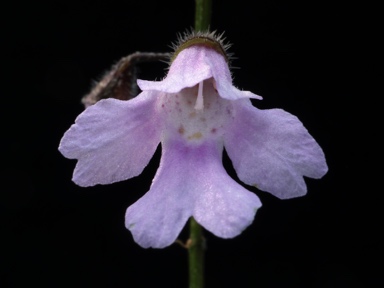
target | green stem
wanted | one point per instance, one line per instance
(196, 255)
(203, 15)
(196, 243)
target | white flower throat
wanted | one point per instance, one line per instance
(196, 113)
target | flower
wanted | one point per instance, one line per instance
(194, 112)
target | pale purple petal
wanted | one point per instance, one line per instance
(222, 76)
(113, 140)
(157, 218)
(272, 150)
(193, 65)
(222, 206)
(190, 181)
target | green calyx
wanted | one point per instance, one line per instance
(206, 39)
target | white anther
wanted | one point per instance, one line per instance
(200, 101)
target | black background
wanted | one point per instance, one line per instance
(311, 60)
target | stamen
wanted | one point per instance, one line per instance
(200, 101)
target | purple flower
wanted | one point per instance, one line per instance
(194, 112)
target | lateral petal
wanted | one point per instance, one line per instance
(272, 150)
(113, 140)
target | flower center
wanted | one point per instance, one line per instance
(196, 113)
